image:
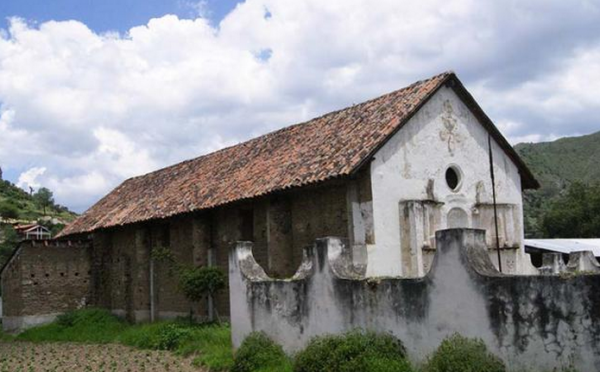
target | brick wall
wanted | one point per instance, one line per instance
(44, 279)
(281, 227)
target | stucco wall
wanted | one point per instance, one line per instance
(44, 279)
(532, 322)
(411, 167)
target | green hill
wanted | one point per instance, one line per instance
(556, 165)
(18, 205)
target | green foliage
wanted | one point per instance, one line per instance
(157, 336)
(163, 255)
(575, 214)
(4, 337)
(210, 346)
(556, 165)
(88, 325)
(9, 239)
(8, 210)
(460, 354)
(44, 198)
(258, 353)
(211, 343)
(353, 351)
(198, 282)
(27, 207)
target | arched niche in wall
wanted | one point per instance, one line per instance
(457, 218)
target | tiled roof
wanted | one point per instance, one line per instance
(330, 146)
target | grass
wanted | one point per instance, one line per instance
(208, 344)
(88, 326)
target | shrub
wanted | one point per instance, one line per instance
(258, 353)
(460, 354)
(198, 282)
(353, 351)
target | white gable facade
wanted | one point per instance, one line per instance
(433, 174)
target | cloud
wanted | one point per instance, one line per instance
(94, 109)
(29, 179)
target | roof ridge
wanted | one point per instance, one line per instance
(292, 126)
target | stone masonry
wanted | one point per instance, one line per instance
(44, 279)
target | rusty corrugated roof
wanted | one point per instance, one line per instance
(329, 146)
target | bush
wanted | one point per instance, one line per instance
(460, 354)
(198, 282)
(354, 351)
(258, 353)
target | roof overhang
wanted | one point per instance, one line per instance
(565, 246)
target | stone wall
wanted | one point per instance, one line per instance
(532, 322)
(44, 279)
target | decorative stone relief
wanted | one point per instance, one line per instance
(449, 133)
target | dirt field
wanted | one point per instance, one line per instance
(59, 357)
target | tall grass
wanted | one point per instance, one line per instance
(210, 345)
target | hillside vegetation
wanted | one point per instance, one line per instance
(557, 165)
(16, 204)
(20, 207)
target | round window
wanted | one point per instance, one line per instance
(453, 178)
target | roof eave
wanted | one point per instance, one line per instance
(528, 180)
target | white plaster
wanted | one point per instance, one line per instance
(442, 133)
(460, 295)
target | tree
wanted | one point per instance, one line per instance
(44, 198)
(576, 214)
(198, 283)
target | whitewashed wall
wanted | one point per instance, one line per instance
(534, 322)
(443, 133)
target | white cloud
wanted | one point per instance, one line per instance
(94, 109)
(29, 178)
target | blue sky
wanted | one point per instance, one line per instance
(110, 15)
(82, 108)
